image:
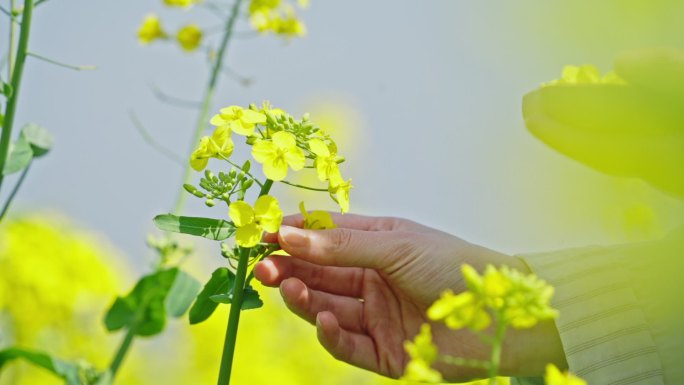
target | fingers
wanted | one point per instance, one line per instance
(347, 281)
(346, 247)
(307, 303)
(356, 349)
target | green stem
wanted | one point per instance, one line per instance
(496, 349)
(303, 187)
(121, 353)
(208, 98)
(60, 64)
(14, 191)
(16, 74)
(236, 307)
(12, 41)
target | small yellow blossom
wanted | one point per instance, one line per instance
(326, 162)
(239, 120)
(316, 219)
(460, 311)
(251, 222)
(303, 3)
(554, 376)
(150, 30)
(189, 37)
(288, 26)
(423, 353)
(180, 3)
(341, 192)
(218, 145)
(277, 153)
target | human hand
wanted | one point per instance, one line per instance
(368, 284)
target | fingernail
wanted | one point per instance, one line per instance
(293, 237)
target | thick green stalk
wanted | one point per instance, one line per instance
(15, 82)
(236, 308)
(208, 98)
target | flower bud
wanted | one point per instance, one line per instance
(210, 202)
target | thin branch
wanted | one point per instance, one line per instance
(60, 64)
(303, 187)
(243, 80)
(153, 143)
(39, 2)
(172, 100)
(5, 208)
(240, 168)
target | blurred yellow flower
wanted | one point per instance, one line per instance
(277, 153)
(251, 222)
(422, 353)
(150, 30)
(460, 311)
(180, 3)
(272, 16)
(189, 37)
(55, 282)
(316, 219)
(554, 376)
(627, 125)
(239, 120)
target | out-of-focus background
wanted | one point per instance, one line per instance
(424, 97)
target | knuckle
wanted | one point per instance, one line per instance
(339, 240)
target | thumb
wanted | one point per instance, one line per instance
(345, 247)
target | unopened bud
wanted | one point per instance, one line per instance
(210, 202)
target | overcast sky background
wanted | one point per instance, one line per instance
(436, 90)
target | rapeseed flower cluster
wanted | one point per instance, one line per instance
(514, 298)
(279, 143)
(277, 17)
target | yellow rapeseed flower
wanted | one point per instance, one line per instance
(150, 29)
(277, 153)
(251, 222)
(326, 162)
(288, 26)
(189, 37)
(239, 120)
(218, 145)
(341, 192)
(316, 219)
(554, 376)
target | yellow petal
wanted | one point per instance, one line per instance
(199, 164)
(230, 112)
(241, 213)
(318, 147)
(263, 151)
(248, 236)
(295, 158)
(284, 140)
(268, 213)
(276, 169)
(242, 128)
(217, 120)
(253, 117)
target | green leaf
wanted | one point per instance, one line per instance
(214, 229)
(250, 300)
(20, 156)
(144, 308)
(40, 139)
(182, 293)
(7, 90)
(221, 282)
(68, 371)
